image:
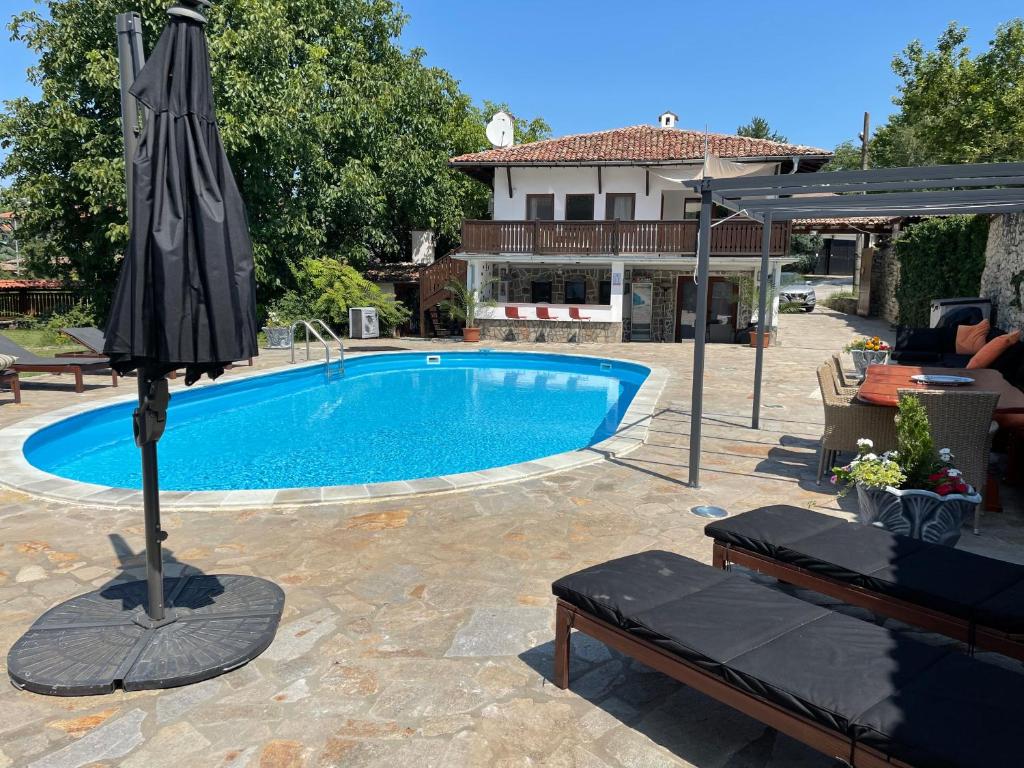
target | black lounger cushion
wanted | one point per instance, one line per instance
(819, 664)
(923, 703)
(953, 581)
(960, 712)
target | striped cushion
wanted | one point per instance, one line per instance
(6, 361)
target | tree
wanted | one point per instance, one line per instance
(953, 107)
(338, 138)
(758, 128)
(329, 288)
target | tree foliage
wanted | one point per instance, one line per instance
(339, 139)
(758, 128)
(328, 288)
(955, 107)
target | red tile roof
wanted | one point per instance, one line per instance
(851, 222)
(32, 284)
(638, 143)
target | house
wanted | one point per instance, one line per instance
(601, 223)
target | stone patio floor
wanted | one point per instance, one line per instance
(418, 631)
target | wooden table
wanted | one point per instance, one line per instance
(881, 383)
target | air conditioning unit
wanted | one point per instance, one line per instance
(961, 311)
(363, 323)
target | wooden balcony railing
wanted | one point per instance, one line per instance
(730, 238)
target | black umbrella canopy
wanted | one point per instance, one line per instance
(186, 294)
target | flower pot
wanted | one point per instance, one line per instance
(471, 334)
(916, 513)
(278, 338)
(767, 339)
(862, 358)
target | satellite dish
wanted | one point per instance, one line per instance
(500, 130)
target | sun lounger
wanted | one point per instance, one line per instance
(91, 338)
(31, 362)
(10, 379)
(977, 600)
(864, 694)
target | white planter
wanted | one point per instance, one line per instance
(278, 338)
(862, 358)
(916, 513)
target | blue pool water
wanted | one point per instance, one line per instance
(389, 417)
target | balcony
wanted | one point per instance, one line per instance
(592, 238)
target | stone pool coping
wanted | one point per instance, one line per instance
(18, 474)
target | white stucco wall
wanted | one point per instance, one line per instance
(563, 181)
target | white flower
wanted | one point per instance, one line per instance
(865, 443)
(945, 454)
(953, 472)
(869, 457)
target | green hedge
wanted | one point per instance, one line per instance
(939, 258)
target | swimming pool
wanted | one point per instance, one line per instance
(387, 418)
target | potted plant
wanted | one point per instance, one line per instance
(914, 490)
(867, 350)
(280, 316)
(749, 300)
(462, 305)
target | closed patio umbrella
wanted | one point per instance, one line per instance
(185, 299)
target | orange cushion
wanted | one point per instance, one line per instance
(989, 353)
(971, 338)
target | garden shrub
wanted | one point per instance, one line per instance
(328, 287)
(842, 301)
(939, 258)
(80, 315)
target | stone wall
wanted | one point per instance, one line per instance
(885, 275)
(549, 330)
(520, 281)
(1003, 278)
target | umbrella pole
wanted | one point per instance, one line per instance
(150, 418)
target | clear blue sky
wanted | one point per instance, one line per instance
(810, 68)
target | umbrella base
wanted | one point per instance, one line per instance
(98, 642)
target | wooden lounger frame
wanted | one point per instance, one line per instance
(974, 635)
(836, 745)
(73, 368)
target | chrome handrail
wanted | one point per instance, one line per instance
(333, 335)
(308, 325)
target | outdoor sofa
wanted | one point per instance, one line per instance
(31, 362)
(975, 599)
(936, 347)
(865, 694)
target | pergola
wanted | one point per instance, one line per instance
(937, 190)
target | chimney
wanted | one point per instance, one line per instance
(423, 246)
(668, 119)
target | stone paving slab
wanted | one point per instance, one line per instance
(418, 631)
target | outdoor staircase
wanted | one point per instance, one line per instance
(433, 279)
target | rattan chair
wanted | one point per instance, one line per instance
(847, 421)
(849, 386)
(962, 422)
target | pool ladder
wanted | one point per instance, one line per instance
(310, 327)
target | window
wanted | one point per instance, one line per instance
(691, 208)
(540, 207)
(540, 292)
(576, 291)
(604, 292)
(620, 205)
(579, 207)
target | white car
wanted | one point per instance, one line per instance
(798, 294)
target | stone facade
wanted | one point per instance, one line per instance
(885, 275)
(519, 281)
(1003, 278)
(549, 330)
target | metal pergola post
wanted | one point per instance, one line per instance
(762, 313)
(700, 330)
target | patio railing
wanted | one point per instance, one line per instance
(730, 238)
